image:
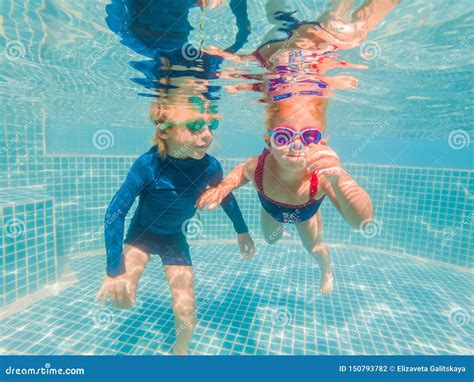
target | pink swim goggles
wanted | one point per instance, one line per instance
(284, 135)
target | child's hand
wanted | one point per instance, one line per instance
(210, 198)
(211, 4)
(120, 289)
(219, 52)
(325, 161)
(215, 51)
(246, 245)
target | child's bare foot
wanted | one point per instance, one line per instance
(180, 349)
(327, 281)
(324, 261)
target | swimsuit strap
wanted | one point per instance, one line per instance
(313, 188)
(259, 170)
(260, 58)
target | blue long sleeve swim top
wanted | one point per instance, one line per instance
(167, 189)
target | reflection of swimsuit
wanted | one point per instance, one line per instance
(289, 32)
(161, 29)
(288, 74)
(282, 212)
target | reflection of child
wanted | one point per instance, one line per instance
(168, 180)
(337, 28)
(292, 176)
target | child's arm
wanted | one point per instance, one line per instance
(239, 176)
(211, 4)
(349, 29)
(136, 180)
(225, 198)
(219, 52)
(351, 200)
(230, 206)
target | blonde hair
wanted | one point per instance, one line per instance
(158, 113)
(316, 107)
(166, 110)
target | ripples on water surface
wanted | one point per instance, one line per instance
(75, 68)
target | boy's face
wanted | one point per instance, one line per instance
(185, 143)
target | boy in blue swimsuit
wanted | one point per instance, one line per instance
(168, 179)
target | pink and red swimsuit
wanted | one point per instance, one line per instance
(282, 212)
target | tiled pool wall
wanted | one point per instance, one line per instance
(419, 211)
(28, 262)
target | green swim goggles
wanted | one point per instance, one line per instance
(194, 125)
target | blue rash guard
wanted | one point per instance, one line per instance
(168, 189)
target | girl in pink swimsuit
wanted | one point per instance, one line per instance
(298, 169)
(292, 177)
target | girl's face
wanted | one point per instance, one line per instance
(184, 143)
(293, 153)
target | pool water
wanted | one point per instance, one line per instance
(75, 119)
(382, 304)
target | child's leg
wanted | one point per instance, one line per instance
(337, 10)
(372, 12)
(310, 232)
(272, 230)
(135, 262)
(350, 31)
(181, 283)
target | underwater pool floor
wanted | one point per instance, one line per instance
(382, 304)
